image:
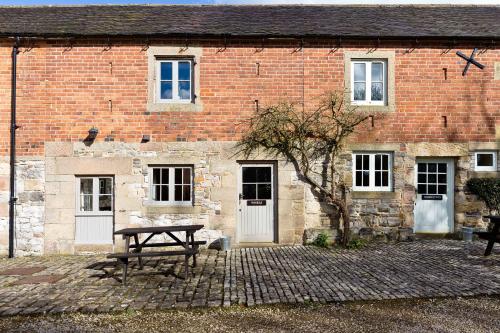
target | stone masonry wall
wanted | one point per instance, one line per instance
(30, 207)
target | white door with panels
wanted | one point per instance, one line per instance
(94, 210)
(256, 203)
(434, 179)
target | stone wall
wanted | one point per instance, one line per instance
(215, 190)
(30, 207)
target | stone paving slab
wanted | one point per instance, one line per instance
(298, 274)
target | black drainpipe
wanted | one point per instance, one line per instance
(13, 128)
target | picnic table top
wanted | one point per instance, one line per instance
(146, 230)
(493, 218)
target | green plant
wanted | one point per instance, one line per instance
(488, 190)
(355, 244)
(321, 240)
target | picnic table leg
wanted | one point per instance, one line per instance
(194, 247)
(186, 257)
(493, 236)
(138, 249)
(124, 273)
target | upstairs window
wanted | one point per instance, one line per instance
(174, 81)
(485, 161)
(372, 172)
(368, 82)
(172, 184)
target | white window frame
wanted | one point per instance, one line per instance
(95, 196)
(371, 169)
(175, 81)
(171, 185)
(485, 168)
(368, 82)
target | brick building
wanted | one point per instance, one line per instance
(165, 88)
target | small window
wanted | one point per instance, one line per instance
(368, 82)
(95, 195)
(174, 81)
(372, 171)
(485, 161)
(171, 184)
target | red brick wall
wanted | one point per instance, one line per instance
(63, 92)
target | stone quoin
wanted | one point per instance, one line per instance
(186, 85)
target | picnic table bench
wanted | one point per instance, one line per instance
(189, 247)
(492, 236)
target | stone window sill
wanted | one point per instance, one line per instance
(154, 209)
(175, 107)
(374, 108)
(373, 195)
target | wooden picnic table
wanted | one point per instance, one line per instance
(491, 236)
(188, 244)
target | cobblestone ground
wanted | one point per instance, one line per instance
(254, 276)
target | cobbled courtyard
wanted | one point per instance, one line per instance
(251, 276)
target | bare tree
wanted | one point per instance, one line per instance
(310, 140)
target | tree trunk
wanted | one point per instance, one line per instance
(345, 218)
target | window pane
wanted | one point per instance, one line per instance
(359, 91)
(378, 161)
(422, 178)
(378, 178)
(166, 71)
(358, 162)
(431, 189)
(442, 167)
(156, 176)
(186, 193)
(105, 185)
(86, 185)
(359, 72)
(165, 176)
(178, 193)
(166, 90)
(86, 204)
(422, 189)
(377, 91)
(359, 176)
(105, 203)
(249, 191)
(184, 90)
(185, 71)
(432, 167)
(366, 178)
(164, 192)
(178, 175)
(187, 176)
(422, 167)
(431, 178)
(385, 162)
(442, 178)
(366, 162)
(156, 193)
(263, 174)
(485, 160)
(385, 178)
(264, 191)
(249, 174)
(441, 189)
(377, 71)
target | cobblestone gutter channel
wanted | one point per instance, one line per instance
(438, 268)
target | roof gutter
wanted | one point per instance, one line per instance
(13, 128)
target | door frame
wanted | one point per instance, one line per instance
(77, 204)
(274, 184)
(450, 161)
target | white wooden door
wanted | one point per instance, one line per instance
(434, 204)
(94, 210)
(256, 203)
